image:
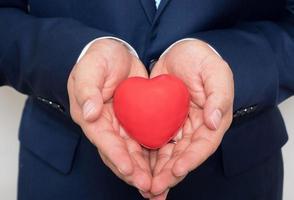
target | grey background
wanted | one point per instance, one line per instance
(11, 104)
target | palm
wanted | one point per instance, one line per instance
(197, 142)
(123, 147)
(205, 76)
(107, 130)
(90, 87)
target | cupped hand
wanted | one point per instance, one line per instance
(91, 85)
(210, 82)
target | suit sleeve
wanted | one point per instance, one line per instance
(261, 56)
(37, 54)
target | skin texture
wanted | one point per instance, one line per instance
(210, 82)
(90, 87)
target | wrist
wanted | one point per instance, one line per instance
(192, 42)
(107, 44)
(94, 43)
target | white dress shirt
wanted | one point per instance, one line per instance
(131, 49)
(157, 2)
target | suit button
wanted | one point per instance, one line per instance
(29, 8)
(52, 104)
(245, 111)
(252, 109)
(153, 35)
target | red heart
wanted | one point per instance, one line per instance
(152, 110)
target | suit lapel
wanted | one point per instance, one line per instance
(160, 9)
(149, 8)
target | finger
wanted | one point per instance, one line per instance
(193, 122)
(145, 195)
(179, 135)
(181, 146)
(219, 88)
(88, 82)
(109, 143)
(141, 179)
(129, 179)
(113, 168)
(194, 85)
(146, 155)
(165, 179)
(153, 159)
(115, 150)
(163, 156)
(142, 182)
(203, 144)
(138, 69)
(102, 134)
(158, 69)
(123, 133)
(162, 196)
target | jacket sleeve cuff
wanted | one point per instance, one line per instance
(182, 40)
(127, 45)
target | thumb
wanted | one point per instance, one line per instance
(219, 87)
(138, 69)
(158, 69)
(92, 107)
(214, 109)
(88, 83)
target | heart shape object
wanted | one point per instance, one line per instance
(151, 110)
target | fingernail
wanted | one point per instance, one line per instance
(216, 117)
(88, 108)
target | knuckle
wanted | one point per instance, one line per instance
(84, 91)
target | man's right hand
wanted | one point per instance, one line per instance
(91, 85)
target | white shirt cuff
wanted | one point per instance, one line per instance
(186, 39)
(131, 49)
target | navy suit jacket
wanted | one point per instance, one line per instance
(40, 41)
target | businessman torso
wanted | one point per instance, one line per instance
(53, 138)
(150, 30)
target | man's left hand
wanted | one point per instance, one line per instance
(210, 83)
